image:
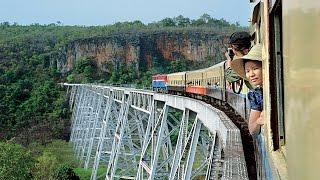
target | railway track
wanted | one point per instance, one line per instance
(247, 141)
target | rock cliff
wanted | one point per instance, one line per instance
(141, 48)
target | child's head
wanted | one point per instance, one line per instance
(253, 70)
(250, 66)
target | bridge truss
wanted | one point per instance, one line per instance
(123, 133)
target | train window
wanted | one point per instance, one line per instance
(256, 21)
(276, 83)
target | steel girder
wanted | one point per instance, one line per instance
(135, 134)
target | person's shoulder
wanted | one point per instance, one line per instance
(254, 93)
(251, 93)
(258, 90)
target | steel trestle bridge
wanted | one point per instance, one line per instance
(123, 133)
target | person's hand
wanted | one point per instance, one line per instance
(226, 54)
(228, 59)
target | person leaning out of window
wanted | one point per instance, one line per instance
(240, 44)
(249, 67)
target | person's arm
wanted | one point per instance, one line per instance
(255, 121)
(228, 63)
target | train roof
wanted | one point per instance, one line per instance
(217, 65)
(212, 67)
(178, 73)
(198, 70)
(159, 75)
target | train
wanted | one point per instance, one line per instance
(289, 34)
(205, 84)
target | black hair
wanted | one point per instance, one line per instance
(247, 60)
(241, 39)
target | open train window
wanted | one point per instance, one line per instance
(276, 76)
(256, 23)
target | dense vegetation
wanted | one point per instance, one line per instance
(33, 107)
(54, 160)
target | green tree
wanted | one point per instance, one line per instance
(205, 18)
(87, 67)
(160, 65)
(65, 172)
(62, 151)
(167, 22)
(15, 162)
(182, 21)
(45, 167)
(178, 65)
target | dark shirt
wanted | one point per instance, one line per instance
(255, 97)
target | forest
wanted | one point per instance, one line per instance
(34, 113)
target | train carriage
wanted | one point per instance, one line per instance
(214, 80)
(195, 83)
(177, 82)
(289, 33)
(159, 83)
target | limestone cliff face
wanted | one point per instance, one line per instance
(141, 48)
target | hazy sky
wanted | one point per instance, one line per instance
(101, 12)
